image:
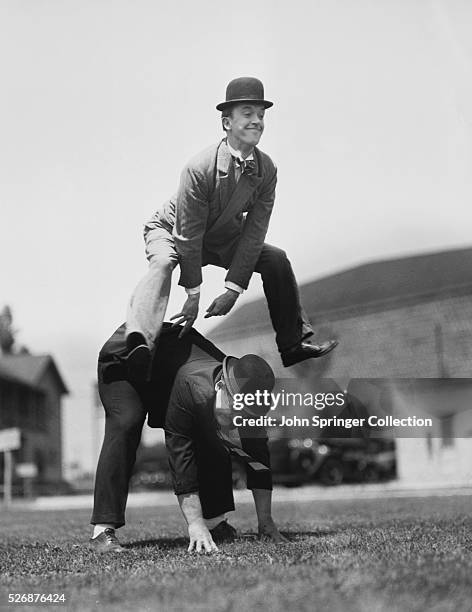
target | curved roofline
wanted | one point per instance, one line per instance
(369, 287)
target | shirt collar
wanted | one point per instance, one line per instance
(237, 154)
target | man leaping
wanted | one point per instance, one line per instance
(220, 216)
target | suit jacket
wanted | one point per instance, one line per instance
(191, 428)
(217, 221)
(182, 375)
(171, 353)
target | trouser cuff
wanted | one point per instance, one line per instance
(306, 333)
(108, 518)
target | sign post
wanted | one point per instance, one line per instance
(7, 469)
(27, 471)
(10, 439)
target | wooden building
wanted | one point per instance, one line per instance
(406, 318)
(31, 390)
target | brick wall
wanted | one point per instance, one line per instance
(53, 447)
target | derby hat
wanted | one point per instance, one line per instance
(244, 89)
(248, 375)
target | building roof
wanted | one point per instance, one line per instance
(379, 285)
(29, 369)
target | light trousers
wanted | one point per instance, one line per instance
(147, 308)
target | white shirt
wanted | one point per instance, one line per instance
(239, 157)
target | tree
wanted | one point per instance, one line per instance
(7, 333)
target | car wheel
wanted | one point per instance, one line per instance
(331, 473)
(371, 474)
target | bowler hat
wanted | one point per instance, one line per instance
(248, 375)
(244, 89)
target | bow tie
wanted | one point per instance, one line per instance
(247, 166)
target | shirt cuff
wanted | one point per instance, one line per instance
(192, 290)
(234, 287)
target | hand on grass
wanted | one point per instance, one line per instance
(200, 538)
(269, 531)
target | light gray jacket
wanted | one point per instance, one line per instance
(207, 215)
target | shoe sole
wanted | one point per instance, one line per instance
(289, 362)
(224, 538)
(138, 363)
(229, 535)
(107, 551)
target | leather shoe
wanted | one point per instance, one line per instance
(223, 532)
(106, 542)
(305, 350)
(138, 363)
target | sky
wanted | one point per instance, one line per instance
(104, 101)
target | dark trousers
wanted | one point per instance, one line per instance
(148, 304)
(124, 419)
(215, 475)
(288, 318)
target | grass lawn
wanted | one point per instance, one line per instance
(370, 555)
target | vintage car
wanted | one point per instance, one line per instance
(329, 461)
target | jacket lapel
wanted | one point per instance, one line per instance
(241, 194)
(223, 162)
